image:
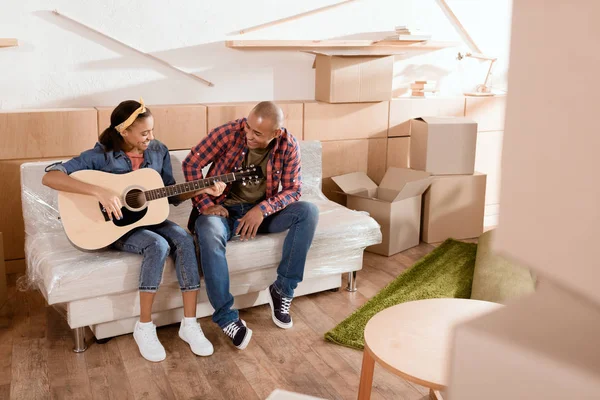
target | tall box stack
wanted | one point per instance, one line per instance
(454, 204)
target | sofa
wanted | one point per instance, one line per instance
(99, 289)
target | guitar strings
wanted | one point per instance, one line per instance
(134, 195)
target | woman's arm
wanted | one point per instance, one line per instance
(58, 180)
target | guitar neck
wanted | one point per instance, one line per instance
(192, 186)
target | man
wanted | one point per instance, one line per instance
(258, 140)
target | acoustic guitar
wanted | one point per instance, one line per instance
(144, 199)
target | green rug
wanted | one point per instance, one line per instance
(445, 272)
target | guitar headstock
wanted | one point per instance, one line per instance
(250, 175)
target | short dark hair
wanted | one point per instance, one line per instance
(271, 111)
(111, 138)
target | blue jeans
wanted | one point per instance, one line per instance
(214, 231)
(155, 243)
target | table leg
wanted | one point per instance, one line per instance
(435, 395)
(366, 375)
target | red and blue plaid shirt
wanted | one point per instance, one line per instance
(225, 147)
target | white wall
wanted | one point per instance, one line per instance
(60, 64)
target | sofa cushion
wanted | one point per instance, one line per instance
(496, 278)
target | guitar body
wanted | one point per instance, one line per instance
(88, 227)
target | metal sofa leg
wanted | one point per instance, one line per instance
(351, 281)
(79, 338)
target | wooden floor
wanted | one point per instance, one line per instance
(37, 362)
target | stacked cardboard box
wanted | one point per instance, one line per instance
(353, 78)
(454, 204)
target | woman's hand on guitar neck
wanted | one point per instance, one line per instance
(110, 201)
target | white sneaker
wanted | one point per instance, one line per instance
(148, 343)
(192, 334)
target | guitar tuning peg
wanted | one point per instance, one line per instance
(257, 182)
(243, 183)
(251, 165)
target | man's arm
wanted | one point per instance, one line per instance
(207, 151)
(291, 183)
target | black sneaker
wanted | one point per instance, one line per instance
(280, 308)
(238, 332)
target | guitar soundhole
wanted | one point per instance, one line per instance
(135, 199)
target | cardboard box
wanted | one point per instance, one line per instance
(55, 132)
(398, 152)
(395, 205)
(453, 207)
(222, 113)
(324, 121)
(353, 79)
(443, 145)
(403, 109)
(179, 127)
(3, 289)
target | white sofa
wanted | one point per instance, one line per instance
(99, 289)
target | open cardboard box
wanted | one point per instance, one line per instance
(395, 205)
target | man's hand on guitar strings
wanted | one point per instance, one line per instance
(215, 190)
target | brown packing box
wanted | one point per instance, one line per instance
(353, 79)
(395, 205)
(3, 289)
(324, 121)
(453, 207)
(403, 109)
(443, 145)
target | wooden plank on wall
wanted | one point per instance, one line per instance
(368, 156)
(46, 133)
(221, 113)
(325, 121)
(487, 111)
(402, 110)
(398, 152)
(179, 127)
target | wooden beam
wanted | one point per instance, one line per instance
(9, 42)
(161, 61)
(458, 26)
(291, 18)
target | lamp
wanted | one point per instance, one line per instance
(482, 89)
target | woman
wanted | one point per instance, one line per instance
(127, 145)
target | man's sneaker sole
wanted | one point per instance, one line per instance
(198, 354)
(275, 320)
(246, 340)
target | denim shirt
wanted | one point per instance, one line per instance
(156, 156)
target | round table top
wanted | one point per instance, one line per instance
(413, 339)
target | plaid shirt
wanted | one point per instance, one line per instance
(225, 147)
